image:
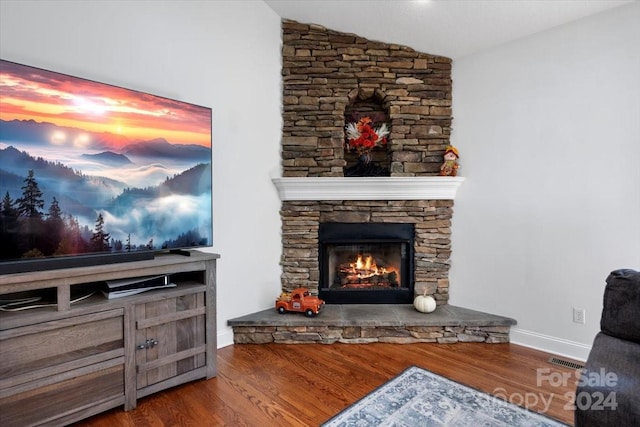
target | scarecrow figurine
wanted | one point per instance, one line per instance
(450, 165)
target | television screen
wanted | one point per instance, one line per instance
(88, 168)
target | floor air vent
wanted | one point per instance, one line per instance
(566, 363)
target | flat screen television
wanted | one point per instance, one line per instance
(93, 173)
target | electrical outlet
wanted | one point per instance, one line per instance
(579, 315)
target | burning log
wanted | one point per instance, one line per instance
(364, 272)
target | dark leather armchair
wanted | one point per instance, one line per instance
(608, 392)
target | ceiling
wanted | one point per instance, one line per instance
(451, 28)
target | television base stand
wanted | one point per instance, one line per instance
(180, 252)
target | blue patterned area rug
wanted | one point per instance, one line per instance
(420, 398)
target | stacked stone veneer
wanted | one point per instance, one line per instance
(370, 334)
(325, 72)
(432, 219)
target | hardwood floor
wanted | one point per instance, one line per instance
(304, 385)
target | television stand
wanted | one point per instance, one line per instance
(78, 357)
(180, 252)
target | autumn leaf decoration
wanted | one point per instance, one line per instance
(362, 137)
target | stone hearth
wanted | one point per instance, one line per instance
(370, 323)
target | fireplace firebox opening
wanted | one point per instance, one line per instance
(366, 263)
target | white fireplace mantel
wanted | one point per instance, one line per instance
(368, 188)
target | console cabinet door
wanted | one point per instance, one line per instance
(170, 340)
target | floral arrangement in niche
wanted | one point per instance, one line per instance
(363, 137)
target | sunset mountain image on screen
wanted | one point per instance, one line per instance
(88, 167)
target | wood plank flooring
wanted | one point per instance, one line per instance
(306, 384)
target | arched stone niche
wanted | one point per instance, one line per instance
(367, 102)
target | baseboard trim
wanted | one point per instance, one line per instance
(549, 344)
(225, 337)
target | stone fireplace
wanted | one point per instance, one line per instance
(330, 78)
(357, 240)
(429, 222)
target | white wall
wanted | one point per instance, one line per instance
(548, 129)
(221, 54)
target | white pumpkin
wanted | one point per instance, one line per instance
(424, 303)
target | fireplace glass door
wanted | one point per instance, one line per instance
(366, 268)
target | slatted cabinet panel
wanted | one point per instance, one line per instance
(170, 339)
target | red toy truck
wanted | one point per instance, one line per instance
(299, 300)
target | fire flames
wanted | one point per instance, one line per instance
(366, 268)
(364, 272)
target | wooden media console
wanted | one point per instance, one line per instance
(66, 360)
